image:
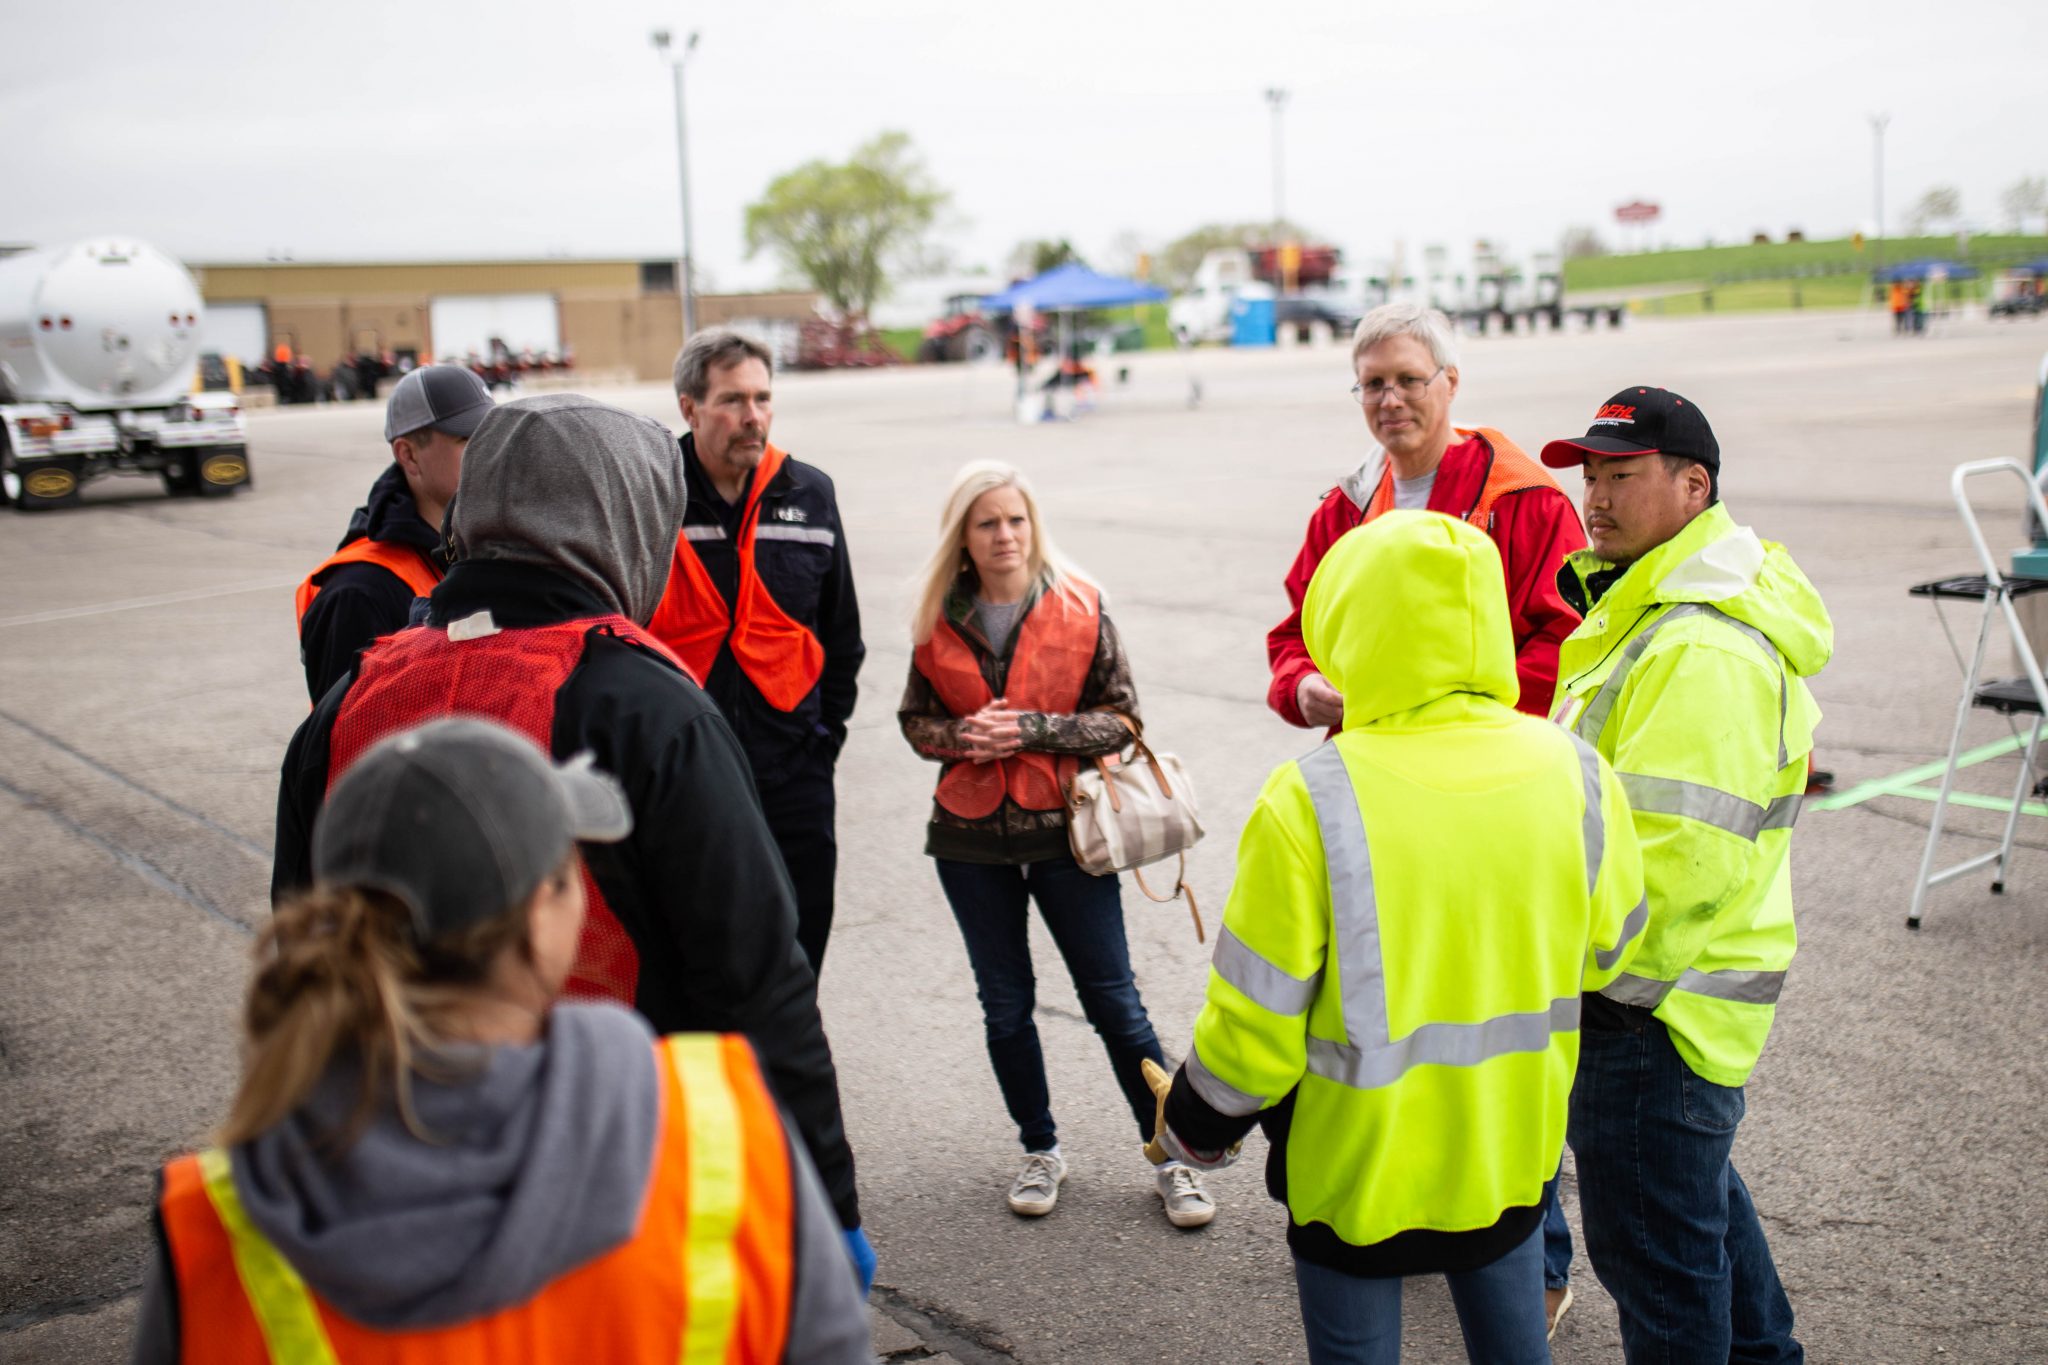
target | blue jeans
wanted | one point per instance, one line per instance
(1353, 1321)
(1557, 1238)
(1086, 919)
(1669, 1225)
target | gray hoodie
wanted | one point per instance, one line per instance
(539, 1164)
(578, 486)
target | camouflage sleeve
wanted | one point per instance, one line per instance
(931, 729)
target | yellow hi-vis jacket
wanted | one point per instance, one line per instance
(1418, 905)
(1687, 675)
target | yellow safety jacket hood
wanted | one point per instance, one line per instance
(1405, 610)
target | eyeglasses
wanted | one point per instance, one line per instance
(1408, 386)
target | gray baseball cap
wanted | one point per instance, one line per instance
(447, 398)
(461, 819)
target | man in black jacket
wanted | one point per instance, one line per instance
(760, 606)
(560, 536)
(391, 552)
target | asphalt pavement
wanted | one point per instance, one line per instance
(1895, 1134)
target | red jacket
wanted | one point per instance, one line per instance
(1534, 524)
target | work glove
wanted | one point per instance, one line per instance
(863, 1254)
(1165, 1146)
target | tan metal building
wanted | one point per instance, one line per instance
(615, 319)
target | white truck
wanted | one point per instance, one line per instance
(98, 345)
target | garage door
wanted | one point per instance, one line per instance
(463, 323)
(241, 330)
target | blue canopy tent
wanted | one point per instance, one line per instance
(1922, 269)
(1071, 287)
(1066, 290)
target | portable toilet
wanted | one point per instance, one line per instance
(1251, 321)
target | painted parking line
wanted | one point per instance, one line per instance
(1908, 783)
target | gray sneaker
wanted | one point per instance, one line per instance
(1188, 1205)
(1037, 1187)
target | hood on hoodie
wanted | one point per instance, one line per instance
(392, 515)
(1731, 568)
(539, 1162)
(578, 486)
(1410, 607)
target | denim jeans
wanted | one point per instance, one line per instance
(1353, 1321)
(1086, 919)
(1669, 1225)
(1557, 1237)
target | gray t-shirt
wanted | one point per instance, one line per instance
(1414, 493)
(996, 618)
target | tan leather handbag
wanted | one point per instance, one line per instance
(1123, 813)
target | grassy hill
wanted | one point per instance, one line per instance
(1785, 261)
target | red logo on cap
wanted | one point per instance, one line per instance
(1615, 412)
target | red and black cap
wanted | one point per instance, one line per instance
(1641, 421)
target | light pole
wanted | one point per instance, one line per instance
(1277, 99)
(1877, 124)
(687, 280)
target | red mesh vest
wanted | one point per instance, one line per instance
(511, 677)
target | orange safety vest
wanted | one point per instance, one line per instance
(778, 654)
(418, 572)
(706, 1279)
(1055, 646)
(1512, 471)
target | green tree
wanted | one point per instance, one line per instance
(1942, 204)
(844, 227)
(2025, 198)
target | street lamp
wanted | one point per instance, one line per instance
(1277, 99)
(1877, 124)
(687, 280)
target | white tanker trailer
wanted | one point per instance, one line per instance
(98, 343)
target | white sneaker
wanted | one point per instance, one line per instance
(1037, 1187)
(1188, 1205)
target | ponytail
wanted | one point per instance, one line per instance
(340, 974)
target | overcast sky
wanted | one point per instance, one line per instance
(444, 129)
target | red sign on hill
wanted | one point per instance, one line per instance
(1641, 211)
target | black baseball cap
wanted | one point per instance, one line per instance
(450, 398)
(461, 819)
(1641, 421)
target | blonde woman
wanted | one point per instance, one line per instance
(429, 1159)
(1017, 677)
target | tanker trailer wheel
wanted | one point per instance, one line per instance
(42, 485)
(220, 472)
(181, 475)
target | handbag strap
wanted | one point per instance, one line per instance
(1180, 889)
(1138, 743)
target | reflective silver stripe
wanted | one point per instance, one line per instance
(1642, 991)
(1264, 984)
(1372, 1058)
(810, 535)
(703, 533)
(1224, 1099)
(1595, 826)
(1693, 801)
(1595, 715)
(1637, 920)
(1783, 813)
(1746, 988)
(1354, 908)
(1441, 1045)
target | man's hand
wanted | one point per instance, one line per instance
(1165, 1145)
(1320, 703)
(993, 732)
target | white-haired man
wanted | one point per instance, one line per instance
(1406, 368)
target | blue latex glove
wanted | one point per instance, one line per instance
(863, 1255)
